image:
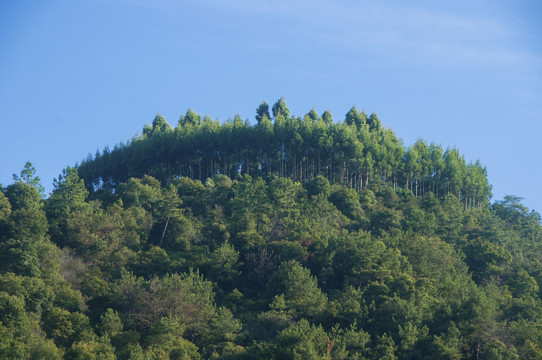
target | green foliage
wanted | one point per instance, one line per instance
(354, 117)
(224, 265)
(94, 349)
(262, 112)
(358, 152)
(295, 238)
(318, 186)
(5, 211)
(28, 176)
(303, 341)
(188, 297)
(280, 109)
(23, 242)
(484, 257)
(66, 203)
(145, 192)
(498, 350)
(21, 196)
(302, 296)
(165, 337)
(110, 323)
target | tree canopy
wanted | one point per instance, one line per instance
(356, 153)
(294, 238)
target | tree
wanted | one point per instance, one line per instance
(190, 119)
(347, 201)
(319, 186)
(66, 203)
(385, 348)
(22, 196)
(145, 193)
(303, 341)
(188, 297)
(313, 115)
(110, 323)
(23, 244)
(374, 122)
(327, 117)
(354, 117)
(28, 176)
(280, 109)
(94, 349)
(454, 171)
(159, 124)
(413, 168)
(262, 111)
(313, 242)
(225, 329)
(166, 337)
(485, 258)
(224, 265)
(303, 297)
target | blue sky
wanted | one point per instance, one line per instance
(76, 76)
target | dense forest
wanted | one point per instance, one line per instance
(294, 238)
(355, 153)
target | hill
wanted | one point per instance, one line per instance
(297, 238)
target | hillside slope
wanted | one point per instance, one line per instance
(296, 255)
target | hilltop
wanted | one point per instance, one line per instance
(356, 152)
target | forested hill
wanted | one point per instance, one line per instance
(355, 153)
(296, 239)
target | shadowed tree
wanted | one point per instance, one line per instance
(280, 109)
(262, 111)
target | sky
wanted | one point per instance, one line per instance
(77, 76)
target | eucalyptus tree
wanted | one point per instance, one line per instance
(313, 115)
(319, 136)
(477, 190)
(354, 117)
(294, 144)
(424, 166)
(412, 167)
(191, 118)
(280, 109)
(299, 148)
(159, 124)
(454, 171)
(437, 166)
(327, 117)
(374, 122)
(262, 111)
(264, 133)
(308, 149)
(280, 131)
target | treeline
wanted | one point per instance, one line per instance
(254, 268)
(356, 153)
